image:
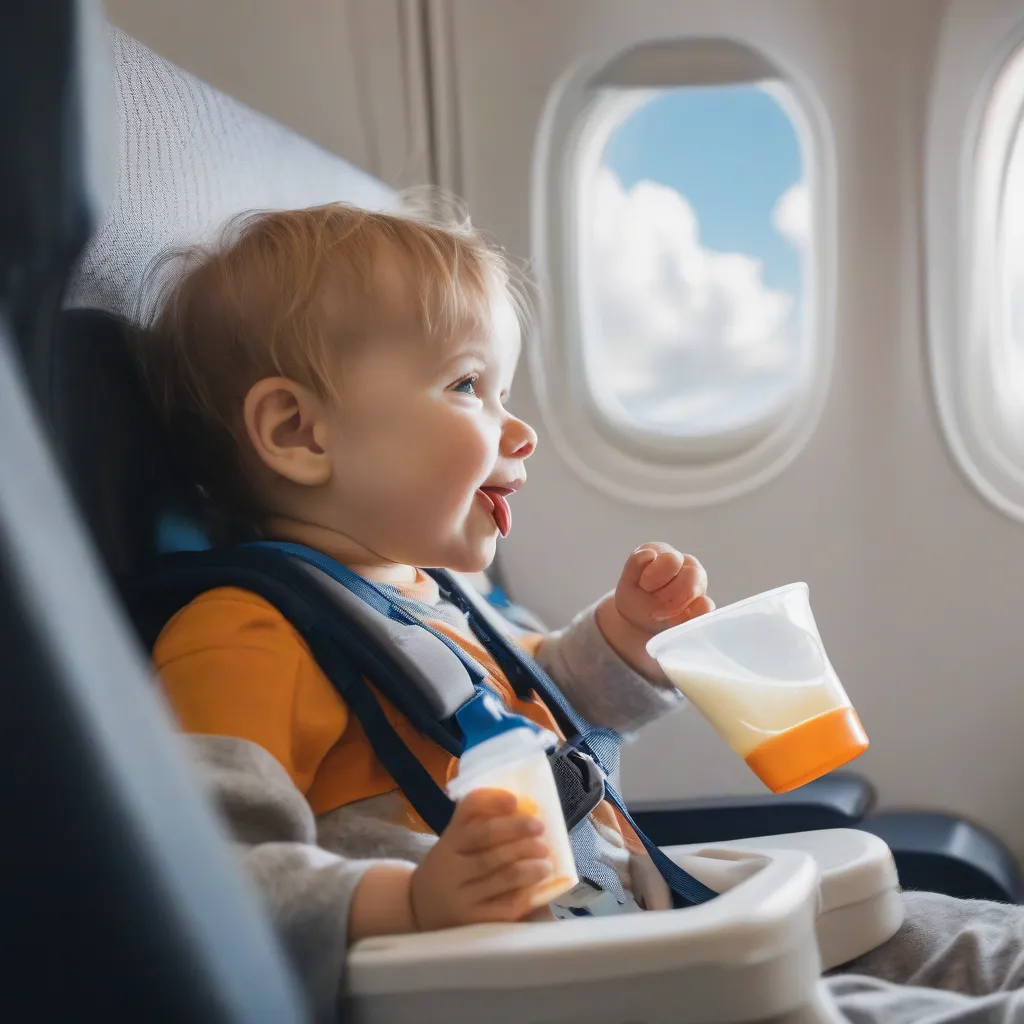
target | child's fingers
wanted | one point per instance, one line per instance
(481, 834)
(688, 584)
(637, 563)
(498, 858)
(483, 803)
(523, 874)
(661, 570)
(701, 606)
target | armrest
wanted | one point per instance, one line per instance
(942, 853)
(835, 801)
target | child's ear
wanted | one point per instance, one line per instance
(286, 424)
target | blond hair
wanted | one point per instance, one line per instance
(285, 293)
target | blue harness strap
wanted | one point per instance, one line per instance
(348, 656)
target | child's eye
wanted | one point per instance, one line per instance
(465, 387)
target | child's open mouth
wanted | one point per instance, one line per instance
(497, 501)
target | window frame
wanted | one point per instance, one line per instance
(967, 158)
(629, 462)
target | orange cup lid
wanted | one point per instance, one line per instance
(809, 750)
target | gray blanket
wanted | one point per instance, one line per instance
(952, 962)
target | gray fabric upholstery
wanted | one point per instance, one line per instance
(188, 158)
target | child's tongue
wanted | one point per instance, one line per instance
(499, 510)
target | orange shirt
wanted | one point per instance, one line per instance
(232, 665)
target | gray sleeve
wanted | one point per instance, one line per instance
(597, 682)
(306, 890)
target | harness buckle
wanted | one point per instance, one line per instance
(580, 783)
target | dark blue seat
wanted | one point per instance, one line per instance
(121, 900)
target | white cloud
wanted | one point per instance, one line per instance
(791, 216)
(686, 336)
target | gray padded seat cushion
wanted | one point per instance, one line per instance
(188, 158)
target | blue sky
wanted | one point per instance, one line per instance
(731, 151)
(692, 345)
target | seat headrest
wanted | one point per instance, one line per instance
(129, 486)
(188, 158)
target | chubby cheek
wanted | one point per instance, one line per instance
(410, 487)
(449, 527)
(462, 455)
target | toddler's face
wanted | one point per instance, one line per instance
(424, 453)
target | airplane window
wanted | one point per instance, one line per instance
(1006, 154)
(974, 247)
(684, 216)
(693, 228)
(977, 289)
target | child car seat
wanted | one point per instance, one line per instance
(750, 954)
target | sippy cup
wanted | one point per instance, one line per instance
(757, 671)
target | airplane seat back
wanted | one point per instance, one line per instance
(188, 157)
(104, 830)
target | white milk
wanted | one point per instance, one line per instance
(754, 669)
(746, 712)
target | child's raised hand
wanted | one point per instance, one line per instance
(660, 587)
(483, 867)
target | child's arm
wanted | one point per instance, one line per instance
(481, 869)
(600, 660)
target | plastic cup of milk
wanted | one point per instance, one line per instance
(757, 671)
(506, 751)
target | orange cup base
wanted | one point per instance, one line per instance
(809, 750)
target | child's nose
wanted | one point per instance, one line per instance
(519, 439)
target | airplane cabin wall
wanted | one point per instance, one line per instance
(345, 73)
